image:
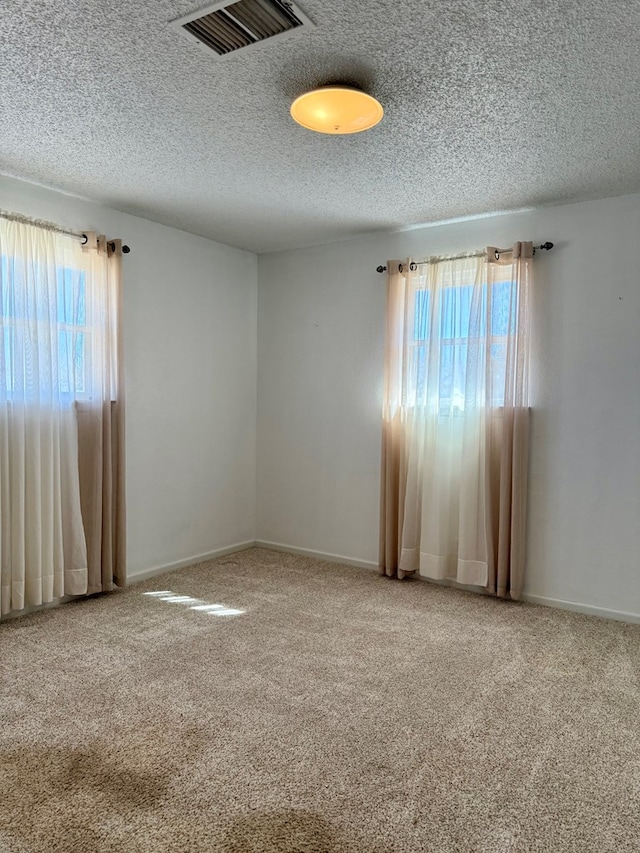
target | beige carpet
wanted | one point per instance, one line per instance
(339, 712)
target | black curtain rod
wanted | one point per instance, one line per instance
(546, 246)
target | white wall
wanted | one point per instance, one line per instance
(190, 371)
(190, 367)
(320, 356)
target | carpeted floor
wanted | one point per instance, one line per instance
(339, 711)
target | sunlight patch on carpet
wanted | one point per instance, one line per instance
(198, 604)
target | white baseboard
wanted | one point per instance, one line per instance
(189, 561)
(36, 608)
(318, 555)
(589, 609)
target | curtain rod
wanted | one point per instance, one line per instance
(52, 226)
(547, 246)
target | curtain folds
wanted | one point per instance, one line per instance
(61, 416)
(101, 455)
(456, 420)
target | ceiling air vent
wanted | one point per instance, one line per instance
(230, 26)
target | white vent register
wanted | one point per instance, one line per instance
(239, 24)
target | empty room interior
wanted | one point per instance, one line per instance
(319, 426)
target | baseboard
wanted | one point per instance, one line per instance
(318, 555)
(189, 561)
(36, 608)
(558, 604)
(588, 609)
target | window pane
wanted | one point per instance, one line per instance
(42, 330)
(420, 374)
(503, 314)
(65, 365)
(453, 369)
(498, 355)
(79, 363)
(455, 310)
(71, 309)
(421, 316)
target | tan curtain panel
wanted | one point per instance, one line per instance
(393, 474)
(455, 419)
(101, 452)
(508, 438)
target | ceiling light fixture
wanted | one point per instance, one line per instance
(336, 109)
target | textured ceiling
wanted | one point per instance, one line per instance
(488, 106)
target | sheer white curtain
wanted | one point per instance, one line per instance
(455, 425)
(56, 353)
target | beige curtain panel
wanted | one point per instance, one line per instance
(61, 415)
(456, 419)
(101, 454)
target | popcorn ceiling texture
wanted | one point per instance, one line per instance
(488, 106)
(341, 713)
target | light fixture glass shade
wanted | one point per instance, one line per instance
(336, 109)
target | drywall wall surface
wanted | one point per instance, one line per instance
(190, 372)
(320, 383)
(320, 358)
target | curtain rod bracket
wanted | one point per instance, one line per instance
(111, 244)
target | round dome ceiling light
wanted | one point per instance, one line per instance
(336, 109)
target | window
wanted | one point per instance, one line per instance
(44, 331)
(455, 319)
